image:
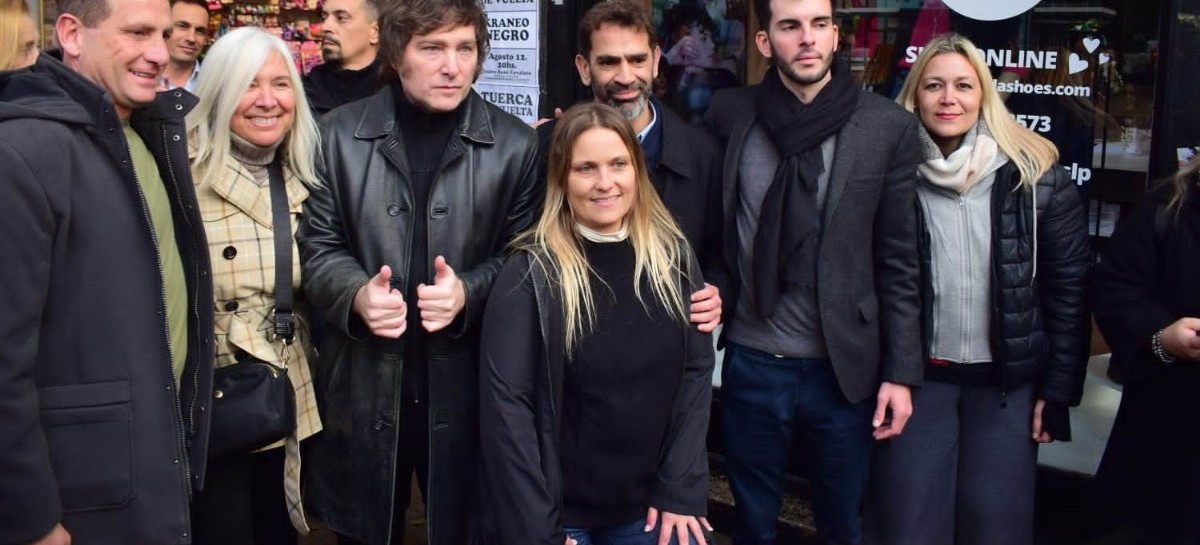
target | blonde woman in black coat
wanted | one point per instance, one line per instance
(594, 387)
(1004, 252)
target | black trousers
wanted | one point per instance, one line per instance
(243, 502)
(412, 456)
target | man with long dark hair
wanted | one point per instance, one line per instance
(425, 184)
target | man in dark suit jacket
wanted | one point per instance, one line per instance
(618, 58)
(822, 310)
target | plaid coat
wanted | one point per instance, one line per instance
(237, 219)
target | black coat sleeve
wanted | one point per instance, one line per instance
(710, 253)
(897, 264)
(1126, 309)
(681, 486)
(522, 211)
(332, 273)
(29, 501)
(1063, 259)
(512, 378)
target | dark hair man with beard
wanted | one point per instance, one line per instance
(618, 59)
(349, 47)
(823, 338)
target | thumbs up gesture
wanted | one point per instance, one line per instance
(440, 302)
(381, 307)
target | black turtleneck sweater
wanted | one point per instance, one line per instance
(619, 388)
(328, 86)
(425, 137)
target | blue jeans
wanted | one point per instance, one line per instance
(621, 534)
(765, 400)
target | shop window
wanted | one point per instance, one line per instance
(704, 49)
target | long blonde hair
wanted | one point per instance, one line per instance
(1187, 179)
(556, 246)
(1033, 154)
(12, 14)
(230, 66)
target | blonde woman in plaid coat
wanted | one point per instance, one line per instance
(253, 110)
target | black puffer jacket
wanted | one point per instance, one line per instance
(1038, 326)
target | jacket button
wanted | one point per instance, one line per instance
(229, 252)
(231, 305)
(179, 106)
(175, 137)
(393, 210)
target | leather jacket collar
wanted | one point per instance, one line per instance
(379, 118)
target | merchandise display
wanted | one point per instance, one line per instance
(297, 22)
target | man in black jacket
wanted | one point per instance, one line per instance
(350, 49)
(106, 350)
(618, 58)
(424, 186)
(823, 333)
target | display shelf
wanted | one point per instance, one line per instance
(297, 22)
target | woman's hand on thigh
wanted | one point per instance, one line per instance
(679, 525)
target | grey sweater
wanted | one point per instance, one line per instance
(960, 236)
(794, 330)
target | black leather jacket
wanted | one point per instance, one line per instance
(362, 218)
(94, 431)
(1038, 328)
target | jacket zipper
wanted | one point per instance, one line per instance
(965, 259)
(187, 421)
(181, 442)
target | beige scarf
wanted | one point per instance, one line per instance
(977, 157)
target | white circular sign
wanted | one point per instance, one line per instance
(991, 10)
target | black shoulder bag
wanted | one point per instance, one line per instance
(254, 403)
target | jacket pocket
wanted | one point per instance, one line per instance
(869, 308)
(89, 435)
(864, 183)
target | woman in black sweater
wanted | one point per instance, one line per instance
(595, 390)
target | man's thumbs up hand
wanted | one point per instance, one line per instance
(441, 302)
(380, 307)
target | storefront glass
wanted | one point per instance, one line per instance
(1080, 73)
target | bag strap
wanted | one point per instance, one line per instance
(281, 225)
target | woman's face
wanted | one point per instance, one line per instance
(265, 114)
(27, 39)
(601, 182)
(948, 99)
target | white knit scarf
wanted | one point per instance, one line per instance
(977, 157)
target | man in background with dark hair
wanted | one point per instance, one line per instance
(618, 59)
(185, 42)
(425, 185)
(350, 49)
(106, 339)
(823, 338)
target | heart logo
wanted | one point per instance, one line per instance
(1090, 43)
(1076, 65)
(1104, 58)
